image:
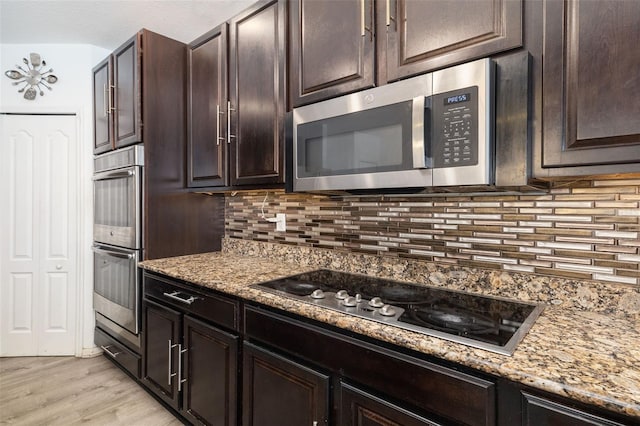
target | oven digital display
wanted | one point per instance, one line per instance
(456, 99)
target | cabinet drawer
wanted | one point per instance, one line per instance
(217, 309)
(432, 388)
(119, 353)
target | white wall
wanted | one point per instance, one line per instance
(72, 64)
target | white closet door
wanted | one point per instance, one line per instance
(38, 223)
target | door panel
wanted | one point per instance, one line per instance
(207, 110)
(330, 55)
(279, 392)
(127, 95)
(39, 257)
(160, 360)
(591, 87)
(209, 393)
(102, 99)
(425, 35)
(257, 95)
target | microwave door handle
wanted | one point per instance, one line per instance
(418, 141)
(113, 253)
(114, 175)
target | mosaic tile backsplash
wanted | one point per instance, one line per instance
(590, 230)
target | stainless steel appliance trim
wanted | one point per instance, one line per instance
(399, 179)
(97, 249)
(417, 134)
(130, 156)
(121, 315)
(401, 91)
(125, 336)
(477, 73)
(122, 236)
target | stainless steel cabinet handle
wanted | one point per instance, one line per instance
(218, 137)
(113, 253)
(169, 373)
(175, 296)
(229, 109)
(112, 90)
(108, 352)
(104, 103)
(180, 379)
(362, 25)
(389, 17)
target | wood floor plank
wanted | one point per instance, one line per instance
(72, 391)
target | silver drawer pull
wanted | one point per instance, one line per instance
(108, 352)
(175, 296)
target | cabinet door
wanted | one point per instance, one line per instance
(359, 408)
(160, 352)
(206, 110)
(591, 85)
(332, 49)
(257, 94)
(280, 392)
(210, 374)
(425, 35)
(539, 412)
(127, 93)
(102, 130)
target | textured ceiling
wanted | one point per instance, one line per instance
(108, 23)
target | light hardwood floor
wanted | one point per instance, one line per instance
(70, 391)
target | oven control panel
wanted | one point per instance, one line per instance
(455, 128)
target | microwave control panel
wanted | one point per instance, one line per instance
(455, 128)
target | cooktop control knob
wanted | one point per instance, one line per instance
(342, 294)
(376, 302)
(358, 298)
(387, 311)
(350, 301)
(317, 294)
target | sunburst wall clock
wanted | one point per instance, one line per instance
(33, 79)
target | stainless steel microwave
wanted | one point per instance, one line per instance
(427, 131)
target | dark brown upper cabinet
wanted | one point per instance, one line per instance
(136, 87)
(332, 48)
(207, 143)
(590, 88)
(236, 118)
(418, 36)
(341, 47)
(117, 98)
(257, 93)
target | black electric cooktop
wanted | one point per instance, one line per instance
(491, 323)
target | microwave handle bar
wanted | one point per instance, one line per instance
(418, 143)
(113, 253)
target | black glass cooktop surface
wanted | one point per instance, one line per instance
(490, 323)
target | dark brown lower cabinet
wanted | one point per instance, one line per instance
(281, 392)
(162, 332)
(191, 365)
(539, 411)
(360, 408)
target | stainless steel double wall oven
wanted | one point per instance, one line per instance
(118, 242)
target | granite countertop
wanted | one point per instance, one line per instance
(584, 355)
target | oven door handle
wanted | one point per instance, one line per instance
(114, 175)
(113, 253)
